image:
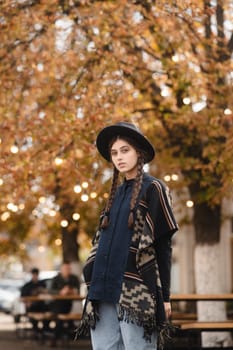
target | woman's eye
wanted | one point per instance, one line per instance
(125, 150)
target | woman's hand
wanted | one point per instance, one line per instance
(168, 310)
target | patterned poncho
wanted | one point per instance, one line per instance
(142, 295)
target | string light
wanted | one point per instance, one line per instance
(85, 184)
(14, 149)
(77, 188)
(175, 58)
(175, 177)
(5, 216)
(189, 204)
(12, 207)
(227, 111)
(76, 216)
(84, 197)
(165, 92)
(106, 195)
(1, 182)
(35, 212)
(58, 242)
(93, 195)
(64, 223)
(167, 178)
(58, 161)
(186, 100)
(42, 199)
(41, 249)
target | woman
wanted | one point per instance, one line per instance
(128, 270)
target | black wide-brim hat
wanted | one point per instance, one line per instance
(123, 129)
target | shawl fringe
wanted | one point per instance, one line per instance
(83, 329)
(89, 318)
(165, 333)
(130, 315)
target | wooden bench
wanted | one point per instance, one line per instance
(22, 326)
(178, 318)
(202, 297)
(49, 316)
(48, 333)
(45, 325)
(48, 321)
(200, 326)
(68, 326)
(189, 328)
(188, 333)
(41, 316)
(70, 317)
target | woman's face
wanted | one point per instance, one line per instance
(125, 158)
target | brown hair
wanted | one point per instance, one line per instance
(136, 186)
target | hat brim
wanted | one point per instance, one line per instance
(107, 134)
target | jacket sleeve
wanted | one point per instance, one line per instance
(164, 254)
(164, 226)
(75, 283)
(55, 285)
(160, 210)
(25, 290)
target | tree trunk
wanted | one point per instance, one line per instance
(208, 269)
(69, 234)
(207, 223)
(70, 245)
(208, 280)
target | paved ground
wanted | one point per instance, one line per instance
(9, 340)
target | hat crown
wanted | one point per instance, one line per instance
(128, 125)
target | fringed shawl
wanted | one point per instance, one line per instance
(141, 301)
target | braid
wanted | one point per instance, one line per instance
(136, 189)
(105, 220)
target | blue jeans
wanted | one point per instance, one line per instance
(112, 334)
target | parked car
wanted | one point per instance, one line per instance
(9, 291)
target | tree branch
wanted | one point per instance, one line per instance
(16, 43)
(220, 22)
(230, 44)
(207, 21)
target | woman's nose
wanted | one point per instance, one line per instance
(119, 157)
